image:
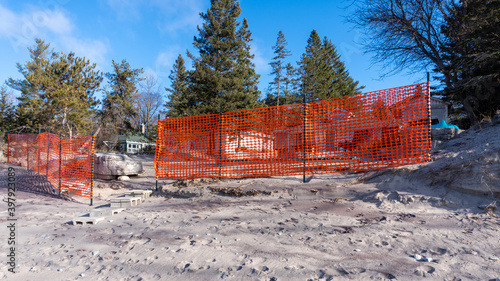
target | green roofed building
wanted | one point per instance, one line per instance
(130, 143)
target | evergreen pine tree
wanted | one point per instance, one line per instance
(343, 83)
(7, 117)
(69, 87)
(291, 85)
(217, 80)
(245, 94)
(322, 74)
(180, 102)
(30, 108)
(118, 108)
(57, 91)
(314, 70)
(473, 57)
(278, 67)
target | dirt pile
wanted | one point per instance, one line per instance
(469, 162)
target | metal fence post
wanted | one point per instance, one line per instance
(60, 163)
(429, 141)
(156, 149)
(48, 151)
(38, 152)
(92, 155)
(27, 153)
(304, 138)
(8, 147)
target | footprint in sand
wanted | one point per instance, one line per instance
(424, 270)
(150, 260)
(351, 271)
(189, 267)
(322, 275)
(260, 269)
(257, 260)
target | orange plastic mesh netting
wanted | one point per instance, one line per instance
(66, 162)
(361, 132)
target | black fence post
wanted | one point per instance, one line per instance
(27, 153)
(92, 156)
(429, 143)
(38, 152)
(60, 163)
(156, 149)
(48, 152)
(8, 147)
(220, 142)
(304, 138)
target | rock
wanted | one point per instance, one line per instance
(417, 257)
(111, 165)
(427, 259)
(443, 134)
(438, 135)
(494, 258)
(115, 186)
(123, 178)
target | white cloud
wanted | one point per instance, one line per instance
(180, 15)
(175, 15)
(22, 28)
(55, 21)
(165, 60)
(261, 63)
(54, 25)
(8, 22)
(150, 72)
(91, 49)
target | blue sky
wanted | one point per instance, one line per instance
(151, 34)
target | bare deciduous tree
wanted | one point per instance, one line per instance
(404, 34)
(148, 103)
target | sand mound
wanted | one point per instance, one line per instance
(470, 162)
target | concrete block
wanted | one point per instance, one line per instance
(87, 220)
(139, 193)
(102, 212)
(147, 193)
(122, 202)
(138, 199)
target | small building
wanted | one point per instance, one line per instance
(439, 110)
(130, 143)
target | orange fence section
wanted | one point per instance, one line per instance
(361, 132)
(66, 162)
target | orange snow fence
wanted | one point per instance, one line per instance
(66, 162)
(363, 132)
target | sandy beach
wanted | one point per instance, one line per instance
(392, 224)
